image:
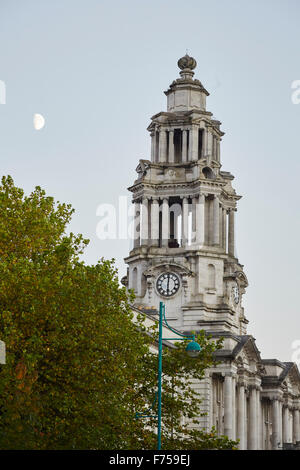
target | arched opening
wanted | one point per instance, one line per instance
(208, 173)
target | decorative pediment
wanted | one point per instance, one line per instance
(171, 266)
(291, 374)
(247, 354)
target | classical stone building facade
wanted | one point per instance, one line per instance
(184, 254)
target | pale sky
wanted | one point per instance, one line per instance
(96, 70)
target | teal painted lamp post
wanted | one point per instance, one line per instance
(192, 349)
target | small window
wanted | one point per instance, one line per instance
(134, 279)
(211, 276)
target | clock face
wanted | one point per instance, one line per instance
(236, 293)
(167, 284)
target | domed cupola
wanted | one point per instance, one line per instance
(186, 93)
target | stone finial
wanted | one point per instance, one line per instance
(187, 62)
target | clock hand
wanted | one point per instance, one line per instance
(168, 284)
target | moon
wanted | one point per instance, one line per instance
(38, 121)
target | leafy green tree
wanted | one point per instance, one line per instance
(78, 366)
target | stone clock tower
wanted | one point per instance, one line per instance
(185, 208)
(184, 255)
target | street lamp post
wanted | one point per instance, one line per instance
(193, 349)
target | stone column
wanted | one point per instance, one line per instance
(290, 425)
(155, 222)
(213, 148)
(218, 151)
(224, 241)
(200, 220)
(162, 155)
(216, 225)
(241, 421)
(153, 145)
(209, 147)
(285, 427)
(171, 146)
(136, 225)
(194, 223)
(280, 411)
(296, 425)
(234, 400)
(231, 233)
(275, 424)
(184, 224)
(184, 145)
(259, 420)
(204, 143)
(228, 415)
(165, 231)
(194, 143)
(221, 225)
(176, 208)
(144, 228)
(253, 419)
